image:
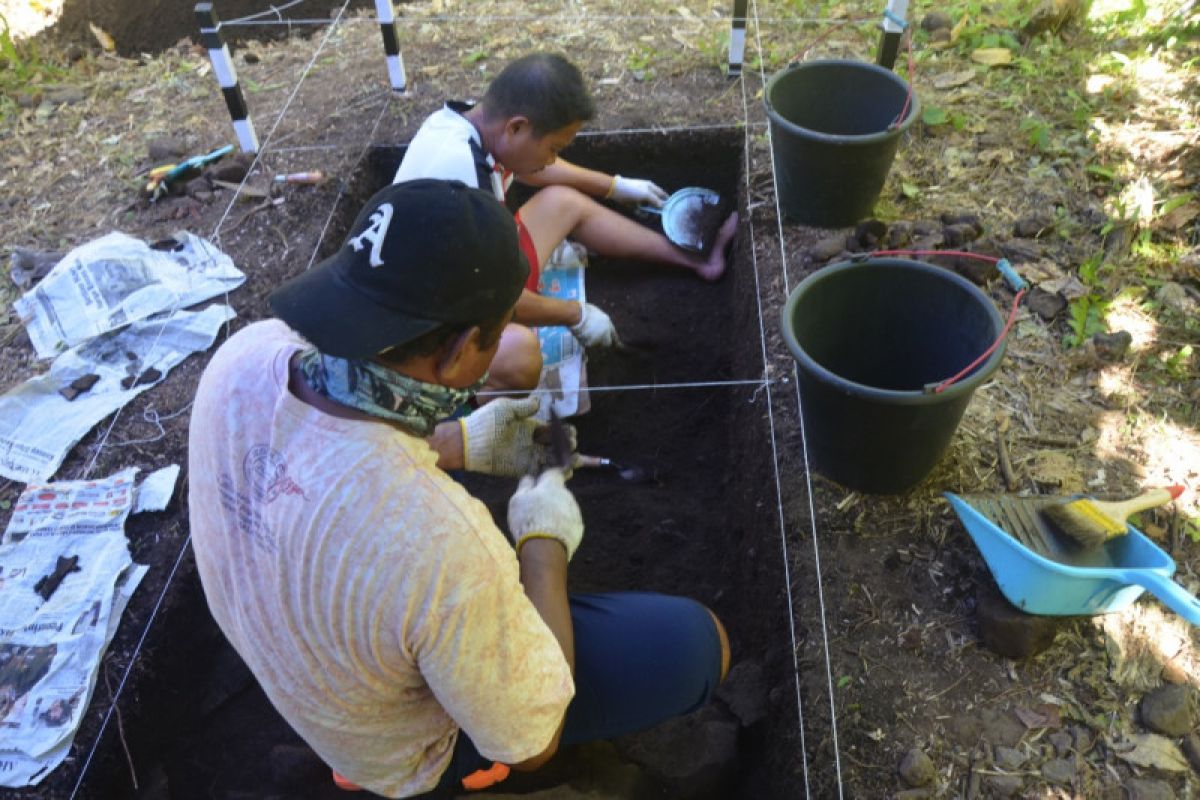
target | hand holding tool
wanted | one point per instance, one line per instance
(636, 190)
(543, 508)
(502, 438)
(1088, 522)
(595, 328)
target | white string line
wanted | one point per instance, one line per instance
(128, 669)
(575, 18)
(787, 568)
(272, 10)
(629, 387)
(837, 756)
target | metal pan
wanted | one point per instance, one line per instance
(690, 217)
(1040, 576)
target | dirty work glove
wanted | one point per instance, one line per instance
(543, 508)
(595, 328)
(501, 438)
(636, 191)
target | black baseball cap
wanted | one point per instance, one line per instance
(420, 254)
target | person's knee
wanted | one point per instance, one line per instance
(517, 366)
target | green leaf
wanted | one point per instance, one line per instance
(910, 190)
(1175, 202)
(934, 116)
(1101, 172)
(844, 681)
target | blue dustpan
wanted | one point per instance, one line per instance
(1041, 574)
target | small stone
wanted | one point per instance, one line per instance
(926, 227)
(1063, 743)
(165, 149)
(1058, 770)
(74, 52)
(66, 95)
(231, 170)
(250, 57)
(959, 234)
(870, 232)
(1173, 295)
(1191, 751)
(78, 386)
(916, 769)
(1003, 785)
(28, 99)
(963, 218)
(1033, 227)
(1168, 710)
(745, 693)
(1148, 789)
(1112, 346)
(1046, 305)
(936, 20)
(977, 272)
(828, 248)
(1020, 251)
(899, 234)
(1008, 758)
(929, 242)
(1010, 632)
(939, 36)
(1084, 739)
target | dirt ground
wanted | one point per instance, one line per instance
(863, 615)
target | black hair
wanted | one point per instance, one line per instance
(545, 88)
(428, 343)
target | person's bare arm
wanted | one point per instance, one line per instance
(543, 565)
(564, 173)
(534, 309)
(447, 442)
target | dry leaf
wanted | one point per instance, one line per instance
(957, 30)
(1044, 716)
(1068, 286)
(1177, 218)
(948, 80)
(1054, 468)
(1151, 750)
(992, 56)
(106, 41)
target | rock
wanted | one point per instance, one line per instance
(870, 232)
(1173, 295)
(694, 756)
(963, 218)
(1191, 751)
(1033, 227)
(1008, 758)
(939, 36)
(828, 248)
(745, 693)
(899, 234)
(926, 227)
(936, 20)
(1010, 632)
(1003, 785)
(916, 769)
(1148, 789)
(1020, 251)
(78, 386)
(27, 267)
(1112, 346)
(29, 99)
(930, 241)
(976, 271)
(66, 95)
(959, 234)
(232, 169)
(1046, 305)
(1083, 739)
(166, 149)
(149, 376)
(1058, 770)
(1168, 710)
(250, 57)
(197, 185)
(1063, 743)
(1051, 15)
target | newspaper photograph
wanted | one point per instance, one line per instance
(564, 364)
(66, 576)
(117, 279)
(43, 418)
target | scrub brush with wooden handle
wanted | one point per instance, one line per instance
(1089, 523)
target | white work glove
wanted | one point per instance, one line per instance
(636, 191)
(499, 438)
(543, 508)
(595, 328)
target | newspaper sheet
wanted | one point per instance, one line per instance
(39, 425)
(65, 578)
(115, 280)
(564, 363)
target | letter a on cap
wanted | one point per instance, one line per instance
(375, 233)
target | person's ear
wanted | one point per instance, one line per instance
(452, 362)
(515, 126)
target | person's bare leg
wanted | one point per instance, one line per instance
(560, 211)
(517, 365)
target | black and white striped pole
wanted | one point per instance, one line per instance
(737, 38)
(222, 62)
(895, 20)
(391, 44)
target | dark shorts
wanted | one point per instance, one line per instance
(640, 659)
(530, 251)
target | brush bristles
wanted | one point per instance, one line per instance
(1082, 522)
